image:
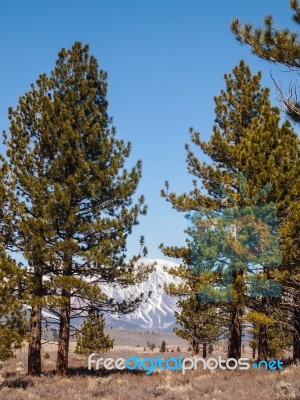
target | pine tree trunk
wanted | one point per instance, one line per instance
(262, 347)
(34, 348)
(235, 337)
(296, 335)
(195, 346)
(262, 350)
(253, 352)
(63, 341)
(204, 351)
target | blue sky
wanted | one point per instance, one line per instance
(165, 61)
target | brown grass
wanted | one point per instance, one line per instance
(113, 385)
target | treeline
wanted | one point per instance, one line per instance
(241, 268)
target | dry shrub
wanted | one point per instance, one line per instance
(165, 385)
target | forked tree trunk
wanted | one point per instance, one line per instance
(35, 339)
(63, 341)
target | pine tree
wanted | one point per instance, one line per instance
(12, 276)
(247, 140)
(276, 46)
(270, 337)
(282, 46)
(199, 323)
(163, 347)
(73, 197)
(151, 346)
(91, 338)
(12, 317)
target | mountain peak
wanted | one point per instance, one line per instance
(157, 312)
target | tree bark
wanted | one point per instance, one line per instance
(195, 346)
(296, 335)
(262, 347)
(34, 348)
(253, 352)
(204, 350)
(235, 336)
(263, 353)
(62, 363)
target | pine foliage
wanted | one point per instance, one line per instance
(72, 195)
(92, 338)
(255, 163)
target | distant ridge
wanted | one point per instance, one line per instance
(157, 313)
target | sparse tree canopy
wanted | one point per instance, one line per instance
(277, 46)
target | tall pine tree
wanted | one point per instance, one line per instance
(247, 139)
(282, 46)
(73, 195)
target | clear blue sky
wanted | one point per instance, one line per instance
(165, 61)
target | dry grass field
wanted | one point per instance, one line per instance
(83, 384)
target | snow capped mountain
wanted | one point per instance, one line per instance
(157, 312)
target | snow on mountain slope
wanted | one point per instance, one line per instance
(157, 313)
